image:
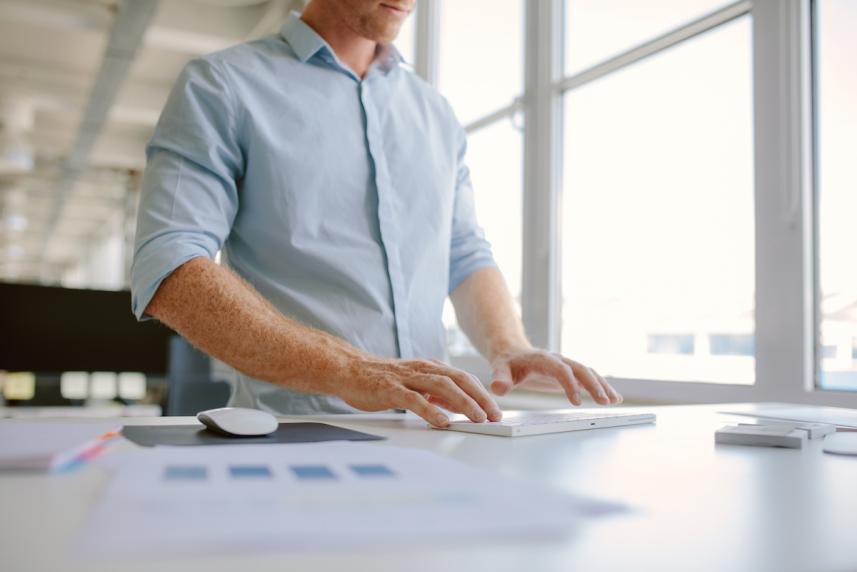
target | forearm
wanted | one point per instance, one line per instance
(225, 317)
(487, 314)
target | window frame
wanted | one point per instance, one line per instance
(784, 191)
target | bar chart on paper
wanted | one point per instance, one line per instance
(314, 496)
(305, 473)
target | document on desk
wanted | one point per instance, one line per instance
(314, 497)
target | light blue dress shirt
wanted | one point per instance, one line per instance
(345, 202)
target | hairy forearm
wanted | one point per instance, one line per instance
(225, 317)
(487, 314)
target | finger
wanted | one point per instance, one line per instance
(614, 395)
(565, 376)
(588, 380)
(474, 388)
(413, 401)
(602, 386)
(444, 388)
(471, 386)
(501, 378)
(437, 401)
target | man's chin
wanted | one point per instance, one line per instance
(386, 37)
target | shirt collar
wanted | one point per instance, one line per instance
(306, 42)
(388, 57)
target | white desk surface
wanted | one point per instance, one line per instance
(697, 506)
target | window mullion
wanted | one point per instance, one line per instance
(426, 52)
(542, 172)
(785, 323)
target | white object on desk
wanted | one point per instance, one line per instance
(777, 435)
(238, 421)
(47, 446)
(812, 430)
(321, 496)
(841, 443)
(521, 423)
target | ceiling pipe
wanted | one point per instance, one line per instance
(126, 36)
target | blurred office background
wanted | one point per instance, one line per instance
(670, 187)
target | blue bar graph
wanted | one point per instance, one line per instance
(313, 472)
(249, 472)
(185, 473)
(372, 471)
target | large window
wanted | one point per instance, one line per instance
(836, 116)
(688, 171)
(657, 221)
(480, 74)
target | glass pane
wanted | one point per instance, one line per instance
(599, 29)
(406, 40)
(657, 220)
(480, 67)
(495, 155)
(836, 45)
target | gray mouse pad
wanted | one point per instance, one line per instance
(151, 435)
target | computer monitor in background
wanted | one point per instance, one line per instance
(50, 330)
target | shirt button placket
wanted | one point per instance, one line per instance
(387, 223)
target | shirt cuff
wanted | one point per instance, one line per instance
(467, 267)
(152, 265)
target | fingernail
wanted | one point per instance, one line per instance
(441, 420)
(603, 397)
(479, 416)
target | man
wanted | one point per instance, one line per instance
(333, 181)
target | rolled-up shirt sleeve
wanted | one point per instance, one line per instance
(189, 194)
(469, 249)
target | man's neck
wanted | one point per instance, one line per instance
(353, 50)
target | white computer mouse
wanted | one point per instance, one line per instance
(238, 421)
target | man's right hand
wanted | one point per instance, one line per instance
(372, 384)
(225, 317)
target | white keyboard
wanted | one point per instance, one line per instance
(520, 423)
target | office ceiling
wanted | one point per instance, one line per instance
(82, 83)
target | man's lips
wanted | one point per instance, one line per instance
(398, 10)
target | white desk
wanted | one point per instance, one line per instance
(699, 506)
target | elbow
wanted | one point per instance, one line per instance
(153, 309)
(168, 294)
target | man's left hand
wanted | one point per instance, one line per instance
(545, 370)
